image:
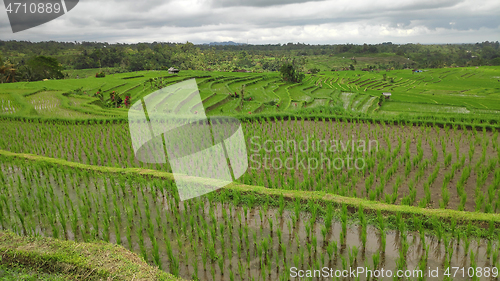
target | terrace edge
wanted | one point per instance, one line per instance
(481, 220)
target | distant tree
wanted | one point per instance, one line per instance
(42, 67)
(188, 47)
(488, 52)
(244, 60)
(372, 49)
(84, 60)
(2, 70)
(287, 72)
(290, 73)
(141, 47)
(351, 67)
(160, 55)
(314, 70)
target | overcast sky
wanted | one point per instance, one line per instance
(270, 21)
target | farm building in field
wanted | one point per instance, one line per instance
(417, 70)
(386, 95)
(173, 70)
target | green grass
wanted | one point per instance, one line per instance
(297, 93)
(320, 197)
(17, 273)
(441, 91)
(436, 97)
(427, 108)
(36, 258)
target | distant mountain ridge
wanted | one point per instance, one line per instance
(225, 43)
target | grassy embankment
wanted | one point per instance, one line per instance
(478, 219)
(40, 258)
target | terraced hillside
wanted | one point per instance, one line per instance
(333, 180)
(434, 91)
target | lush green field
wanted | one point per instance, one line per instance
(241, 232)
(404, 183)
(457, 91)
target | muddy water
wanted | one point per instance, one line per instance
(112, 147)
(166, 217)
(436, 250)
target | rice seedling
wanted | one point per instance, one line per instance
(376, 260)
(195, 225)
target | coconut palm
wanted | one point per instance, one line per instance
(3, 70)
(8, 73)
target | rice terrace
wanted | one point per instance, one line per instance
(357, 174)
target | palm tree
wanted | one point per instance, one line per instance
(3, 69)
(7, 73)
(11, 74)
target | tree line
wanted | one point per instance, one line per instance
(31, 61)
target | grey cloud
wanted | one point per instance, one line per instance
(258, 3)
(490, 21)
(275, 20)
(426, 5)
(133, 17)
(458, 23)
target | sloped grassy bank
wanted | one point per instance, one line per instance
(484, 222)
(68, 260)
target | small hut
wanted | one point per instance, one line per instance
(173, 70)
(386, 95)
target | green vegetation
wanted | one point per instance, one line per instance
(466, 95)
(478, 219)
(16, 273)
(290, 73)
(254, 224)
(118, 58)
(42, 67)
(26, 258)
(396, 183)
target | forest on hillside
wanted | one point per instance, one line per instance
(31, 61)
